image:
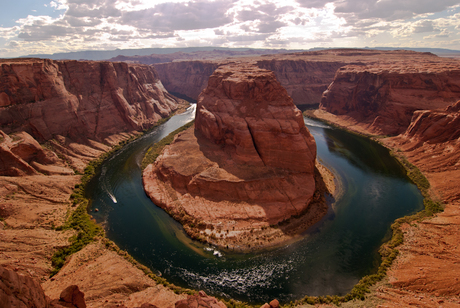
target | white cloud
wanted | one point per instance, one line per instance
(99, 24)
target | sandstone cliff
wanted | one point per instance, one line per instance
(384, 96)
(414, 98)
(432, 142)
(249, 163)
(186, 77)
(80, 99)
(80, 108)
(304, 80)
(77, 111)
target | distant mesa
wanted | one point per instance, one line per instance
(248, 163)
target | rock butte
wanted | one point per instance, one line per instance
(424, 274)
(248, 163)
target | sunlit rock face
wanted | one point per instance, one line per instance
(80, 99)
(382, 96)
(78, 108)
(248, 163)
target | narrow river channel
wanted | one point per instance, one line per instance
(331, 258)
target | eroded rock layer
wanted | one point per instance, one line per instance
(80, 99)
(384, 95)
(248, 164)
(79, 108)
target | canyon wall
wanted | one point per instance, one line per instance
(55, 117)
(79, 108)
(304, 80)
(186, 77)
(416, 99)
(80, 99)
(432, 142)
(384, 96)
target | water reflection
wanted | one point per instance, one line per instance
(363, 153)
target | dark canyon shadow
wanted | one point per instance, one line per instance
(368, 155)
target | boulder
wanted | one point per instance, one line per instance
(20, 291)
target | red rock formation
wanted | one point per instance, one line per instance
(80, 100)
(20, 291)
(249, 113)
(432, 142)
(384, 96)
(426, 270)
(305, 80)
(81, 108)
(186, 77)
(248, 164)
(21, 154)
(200, 300)
(70, 297)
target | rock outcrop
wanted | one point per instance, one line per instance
(432, 142)
(248, 164)
(417, 99)
(20, 291)
(21, 154)
(80, 108)
(200, 300)
(80, 99)
(427, 270)
(384, 96)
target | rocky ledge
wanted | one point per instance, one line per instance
(247, 165)
(381, 97)
(77, 109)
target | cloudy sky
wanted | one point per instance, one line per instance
(44, 26)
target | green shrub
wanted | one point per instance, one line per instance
(154, 151)
(79, 220)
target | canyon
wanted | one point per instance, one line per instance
(56, 116)
(247, 164)
(407, 100)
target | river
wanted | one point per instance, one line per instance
(329, 260)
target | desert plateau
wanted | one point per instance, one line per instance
(246, 166)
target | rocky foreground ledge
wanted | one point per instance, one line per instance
(246, 166)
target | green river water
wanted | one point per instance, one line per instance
(331, 258)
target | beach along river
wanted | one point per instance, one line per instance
(329, 260)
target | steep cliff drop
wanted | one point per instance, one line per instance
(380, 98)
(55, 117)
(248, 164)
(80, 108)
(413, 99)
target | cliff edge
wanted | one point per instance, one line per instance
(78, 109)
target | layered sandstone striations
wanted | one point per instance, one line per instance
(305, 80)
(418, 99)
(77, 111)
(186, 77)
(248, 164)
(79, 108)
(80, 99)
(427, 270)
(432, 142)
(382, 97)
